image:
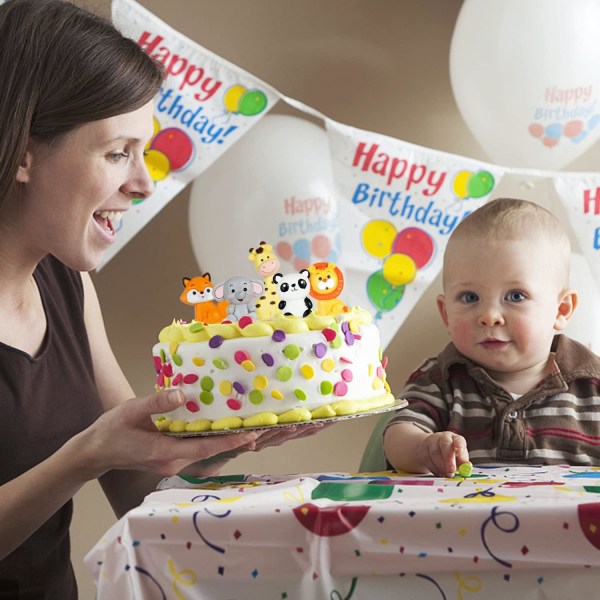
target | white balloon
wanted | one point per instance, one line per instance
(275, 185)
(526, 78)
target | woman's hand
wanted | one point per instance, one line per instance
(266, 439)
(125, 438)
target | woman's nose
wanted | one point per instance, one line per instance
(140, 184)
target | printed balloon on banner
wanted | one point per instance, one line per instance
(402, 253)
(274, 185)
(526, 78)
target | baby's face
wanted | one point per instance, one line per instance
(501, 304)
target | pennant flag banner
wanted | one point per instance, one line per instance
(392, 206)
(205, 105)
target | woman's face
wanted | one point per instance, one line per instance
(75, 190)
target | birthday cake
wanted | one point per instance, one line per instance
(259, 353)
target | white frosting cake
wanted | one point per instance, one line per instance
(283, 370)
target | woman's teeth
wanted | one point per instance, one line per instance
(114, 216)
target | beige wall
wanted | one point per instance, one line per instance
(378, 65)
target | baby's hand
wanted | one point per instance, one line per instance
(443, 452)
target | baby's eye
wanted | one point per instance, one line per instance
(469, 297)
(515, 296)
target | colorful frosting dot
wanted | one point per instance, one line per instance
(329, 334)
(256, 397)
(300, 394)
(239, 387)
(277, 395)
(340, 388)
(207, 383)
(177, 359)
(307, 371)
(284, 373)
(291, 351)
(233, 404)
(225, 388)
(261, 382)
(268, 359)
(347, 375)
(190, 378)
(278, 335)
(240, 356)
(215, 341)
(320, 350)
(196, 327)
(192, 406)
(244, 321)
(220, 363)
(177, 379)
(328, 365)
(157, 363)
(326, 387)
(353, 324)
(199, 362)
(248, 365)
(206, 397)
(173, 347)
(349, 337)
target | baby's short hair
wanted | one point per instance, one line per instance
(514, 219)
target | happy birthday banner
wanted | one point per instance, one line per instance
(397, 203)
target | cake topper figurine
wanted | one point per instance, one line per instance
(326, 284)
(241, 293)
(198, 292)
(293, 293)
(266, 264)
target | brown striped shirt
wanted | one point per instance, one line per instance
(557, 422)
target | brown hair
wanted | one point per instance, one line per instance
(62, 66)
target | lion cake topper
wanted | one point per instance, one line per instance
(326, 284)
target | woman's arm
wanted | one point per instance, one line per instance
(134, 443)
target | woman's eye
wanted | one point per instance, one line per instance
(117, 156)
(515, 296)
(469, 297)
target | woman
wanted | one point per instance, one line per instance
(76, 112)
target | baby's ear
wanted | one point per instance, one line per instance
(441, 304)
(566, 308)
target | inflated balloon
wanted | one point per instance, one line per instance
(399, 269)
(273, 184)
(526, 78)
(377, 237)
(459, 183)
(416, 243)
(157, 164)
(382, 293)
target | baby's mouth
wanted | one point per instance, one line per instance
(107, 219)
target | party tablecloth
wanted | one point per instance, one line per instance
(502, 532)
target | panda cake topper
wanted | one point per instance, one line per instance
(293, 291)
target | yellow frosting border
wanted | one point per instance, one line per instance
(182, 331)
(295, 415)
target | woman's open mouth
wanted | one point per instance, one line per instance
(107, 219)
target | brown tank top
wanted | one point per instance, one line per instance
(44, 401)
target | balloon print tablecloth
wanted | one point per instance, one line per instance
(518, 532)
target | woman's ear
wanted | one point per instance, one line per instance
(25, 167)
(566, 308)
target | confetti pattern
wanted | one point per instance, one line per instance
(500, 532)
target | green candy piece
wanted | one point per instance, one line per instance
(465, 470)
